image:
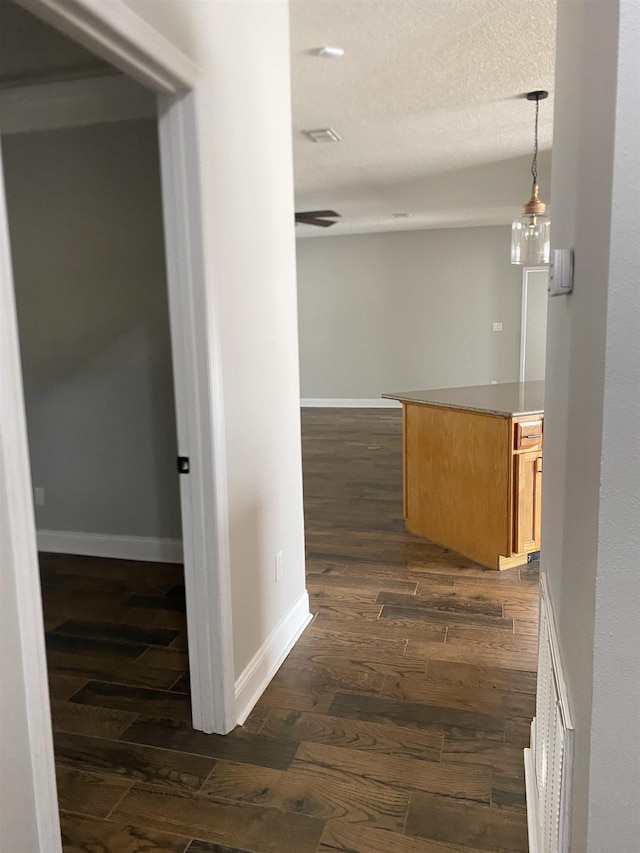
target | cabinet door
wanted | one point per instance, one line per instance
(527, 493)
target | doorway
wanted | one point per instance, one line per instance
(533, 329)
(167, 80)
(85, 217)
(170, 76)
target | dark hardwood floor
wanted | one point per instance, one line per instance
(396, 724)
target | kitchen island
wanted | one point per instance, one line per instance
(472, 469)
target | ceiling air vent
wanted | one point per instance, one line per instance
(324, 134)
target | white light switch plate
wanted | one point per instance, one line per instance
(561, 272)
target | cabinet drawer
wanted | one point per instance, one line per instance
(528, 434)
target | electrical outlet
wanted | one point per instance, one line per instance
(278, 561)
(38, 496)
(497, 327)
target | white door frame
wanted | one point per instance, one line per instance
(526, 271)
(114, 32)
(21, 552)
(200, 422)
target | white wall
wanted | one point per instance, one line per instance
(85, 217)
(242, 49)
(591, 500)
(407, 309)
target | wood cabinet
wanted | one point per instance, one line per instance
(473, 480)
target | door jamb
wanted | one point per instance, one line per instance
(16, 503)
(200, 417)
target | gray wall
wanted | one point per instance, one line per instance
(407, 309)
(85, 219)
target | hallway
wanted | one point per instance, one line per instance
(396, 725)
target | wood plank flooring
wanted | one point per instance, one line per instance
(396, 724)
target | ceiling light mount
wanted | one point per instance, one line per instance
(530, 233)
(538, 95)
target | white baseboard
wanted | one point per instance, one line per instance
(265, 663)
(346, 403)
(145, 548)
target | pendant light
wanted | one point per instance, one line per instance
(530, 233)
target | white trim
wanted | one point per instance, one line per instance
(526, 271)
(556, 702)
(531, 795)
(114, 32)
(523, 322)
(73, 103)
(200, 423)
(265, 663)
(547, 602)
(20, 523)
(145, 548)
(346, 403)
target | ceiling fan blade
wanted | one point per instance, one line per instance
(315, 213)
(311, 220)
(321, 218)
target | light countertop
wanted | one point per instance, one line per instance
(507, 400)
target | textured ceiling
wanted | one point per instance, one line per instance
(428, 102)
(427, 99)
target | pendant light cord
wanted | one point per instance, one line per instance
(534, 163)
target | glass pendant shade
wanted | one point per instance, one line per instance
(531, 240)
(531, 234)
